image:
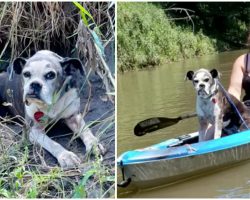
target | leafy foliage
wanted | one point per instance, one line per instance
(147, 36)
(228, 22)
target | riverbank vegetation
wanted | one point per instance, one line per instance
(153, 33)
(82, 30)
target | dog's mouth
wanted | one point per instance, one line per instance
(202, 92)
(33, 98)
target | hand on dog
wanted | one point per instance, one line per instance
(67, 160)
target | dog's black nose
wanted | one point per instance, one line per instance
(35, 86)
(201, 85)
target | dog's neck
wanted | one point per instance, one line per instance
(213, 92)
(64, 88)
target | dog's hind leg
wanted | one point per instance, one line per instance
(77, 125)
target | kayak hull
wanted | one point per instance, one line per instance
(149, 168)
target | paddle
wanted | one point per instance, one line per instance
(156, 123)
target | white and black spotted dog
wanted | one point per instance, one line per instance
(212, 105)
(46, 87)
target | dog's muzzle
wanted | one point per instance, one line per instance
(202, 92)
(35, 87)
(34, 93)
(34, 90)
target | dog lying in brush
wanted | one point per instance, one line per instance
(46, 87)
(212, 106)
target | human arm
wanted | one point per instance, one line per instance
(237, 77)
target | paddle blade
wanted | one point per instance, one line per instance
(153, 124)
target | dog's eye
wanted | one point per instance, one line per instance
(196, 81)
(50, 75)
(206, 79)
(27, 74)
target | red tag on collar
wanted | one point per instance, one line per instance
(214, 100)
(38, 115)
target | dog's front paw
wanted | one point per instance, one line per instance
(217, 134)
(92, 143)
(101, 149)
(68, 159)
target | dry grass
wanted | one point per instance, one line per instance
(26, 27)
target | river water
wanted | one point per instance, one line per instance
(162, 91)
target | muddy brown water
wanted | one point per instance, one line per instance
(163, 92)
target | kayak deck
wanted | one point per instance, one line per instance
(175, 148)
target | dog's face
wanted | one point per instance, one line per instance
(40, 79)
(203, 81)
(43, 76)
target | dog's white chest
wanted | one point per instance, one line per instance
(207, 109)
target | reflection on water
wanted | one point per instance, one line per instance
(163, 92)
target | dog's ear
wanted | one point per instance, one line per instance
(214, 73)
(18, 65)
(71, 65)
(189, 75)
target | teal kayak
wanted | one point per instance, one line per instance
(180, 158)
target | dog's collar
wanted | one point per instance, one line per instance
(41, 118)
(38, 115)
(214, 100)
(212, 95)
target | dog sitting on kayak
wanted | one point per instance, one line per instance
(213, 106)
